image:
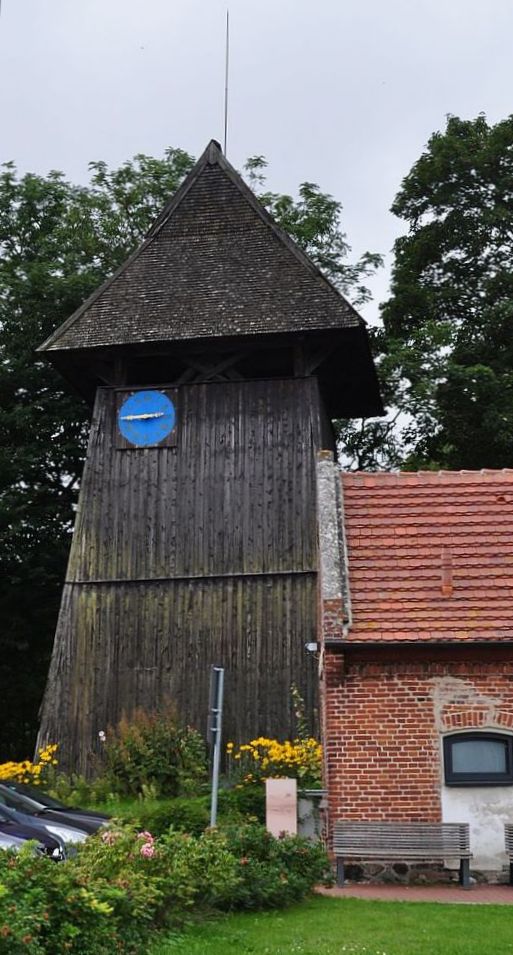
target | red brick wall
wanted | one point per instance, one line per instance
(333, 617)
(385, 714)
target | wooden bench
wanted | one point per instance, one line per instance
(411, 841)
(508, 836)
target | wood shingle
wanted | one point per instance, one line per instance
(214, 264)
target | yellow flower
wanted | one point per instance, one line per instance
(25, 770)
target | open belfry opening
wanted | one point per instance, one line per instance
(214, 362)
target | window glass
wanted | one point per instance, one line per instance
(479, 756)
(479, 759)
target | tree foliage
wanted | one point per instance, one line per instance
(58, 242)
(314, 222)
(449, 321)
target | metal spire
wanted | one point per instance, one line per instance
(227, 63)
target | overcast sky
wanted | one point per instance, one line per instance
(338, 92)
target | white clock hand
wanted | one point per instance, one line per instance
(142, 417)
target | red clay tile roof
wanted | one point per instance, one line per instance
(430, 555)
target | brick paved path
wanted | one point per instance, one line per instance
(476, 895)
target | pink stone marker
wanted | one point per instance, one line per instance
(281, 806)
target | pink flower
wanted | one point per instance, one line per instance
(148, 850)
(147, 836)
(108, 838)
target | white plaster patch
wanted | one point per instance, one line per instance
(449, 691)
(486, 809)
(329, 527)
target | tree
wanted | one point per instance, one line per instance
(449, 321)
(313, 220)
(58, 242)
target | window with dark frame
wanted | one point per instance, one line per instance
(478, 759)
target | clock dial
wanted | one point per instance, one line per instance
(146, 418)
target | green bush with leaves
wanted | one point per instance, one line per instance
(155, 875)
(274, 872)
(242, 867)
(154, 752)
(148, 755)
(75, 790)
(191, 814)
(245, 802)
(184, 814)
(44, 908)
(123, 885)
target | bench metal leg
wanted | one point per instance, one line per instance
(340, 872)
(465, 873)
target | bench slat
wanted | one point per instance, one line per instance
(407, 839)
(508, 833)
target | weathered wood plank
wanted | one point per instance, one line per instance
(203, 553)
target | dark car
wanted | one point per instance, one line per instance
(89, 821)
(14, 827)
(68, 836)
(10, 842)
(62, 818)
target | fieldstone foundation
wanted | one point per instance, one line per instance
(403, 873)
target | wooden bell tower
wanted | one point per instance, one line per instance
(215, 359)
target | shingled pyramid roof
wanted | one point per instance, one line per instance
(214, 265)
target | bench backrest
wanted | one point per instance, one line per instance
(508, 834)
(392, 837)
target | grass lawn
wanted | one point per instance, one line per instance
(324, 926)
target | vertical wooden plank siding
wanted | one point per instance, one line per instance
(192, 555)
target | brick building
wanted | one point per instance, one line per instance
(417, 649)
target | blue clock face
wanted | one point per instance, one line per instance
(146, 418)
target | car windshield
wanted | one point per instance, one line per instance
(42, 798)
(17, 801)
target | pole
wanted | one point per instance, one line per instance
(226, 67)
(216, 722)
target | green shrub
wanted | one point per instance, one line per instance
(45, 909)
(153, 875)
(247, 800)
(275, 872)
(183, 814)
(192, 814)
(153, 752)
(123, 885)
(213, 869)
(76, 790)
(148, 756)
(163, 877)
(189, 814)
